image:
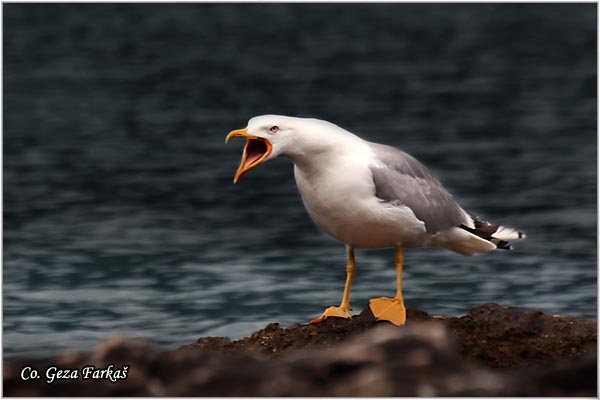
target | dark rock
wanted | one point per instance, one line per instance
(510, 337)
(492, 351)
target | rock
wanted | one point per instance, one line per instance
(492, 351)
(510, 337)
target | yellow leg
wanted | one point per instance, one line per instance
(392, 310)
(343, 311)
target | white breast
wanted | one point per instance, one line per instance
(340, 198)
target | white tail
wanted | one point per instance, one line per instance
(504, 233)
(497, 235)
(463, 242)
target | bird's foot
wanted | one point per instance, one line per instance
(336, 312)
(387, 309)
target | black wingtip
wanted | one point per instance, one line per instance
(503, 245)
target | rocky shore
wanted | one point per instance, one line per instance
(491, 351)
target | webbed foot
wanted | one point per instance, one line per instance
(388, 309)
(335, 312)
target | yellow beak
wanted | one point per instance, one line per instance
(256, 150)
(238, 133)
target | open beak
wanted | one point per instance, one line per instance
(255, 152)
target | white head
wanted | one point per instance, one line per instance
(270, 136)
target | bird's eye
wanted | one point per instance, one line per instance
(273, 129)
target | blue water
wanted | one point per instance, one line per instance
(120, 215)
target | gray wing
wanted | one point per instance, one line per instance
(401, 179)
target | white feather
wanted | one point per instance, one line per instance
(462, 242)
(504, 233)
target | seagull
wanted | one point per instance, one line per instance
(367, 195)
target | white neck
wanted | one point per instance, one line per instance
(320, 144)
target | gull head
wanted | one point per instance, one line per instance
(269, 136)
